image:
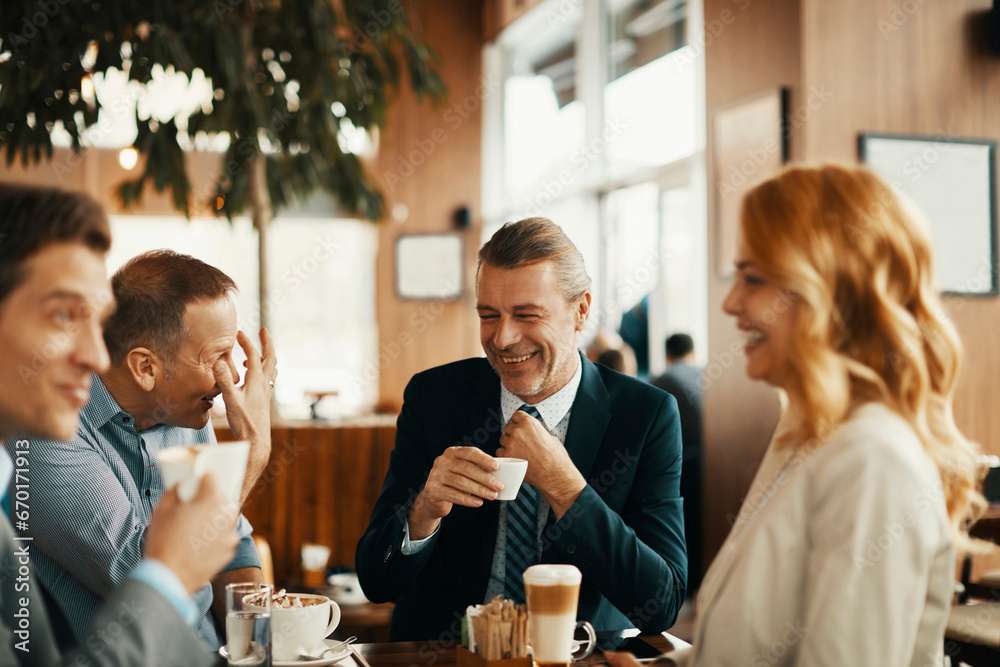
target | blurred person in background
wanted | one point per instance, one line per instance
(617, 354)
(616, 361)
(683, 381)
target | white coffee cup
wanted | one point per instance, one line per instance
(299, 630)
(511, 473)
(184, 466)
(553, 593)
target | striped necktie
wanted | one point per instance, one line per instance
(522, 537)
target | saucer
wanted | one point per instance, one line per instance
(328, 659)
(573, 648)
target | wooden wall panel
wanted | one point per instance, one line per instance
(96, 171)
(429, 162)
(356, 456)
(756, 49)
(320, 486)
(923, 71)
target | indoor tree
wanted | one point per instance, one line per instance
(288, 78)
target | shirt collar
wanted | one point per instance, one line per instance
(102, 407)
(553, 409)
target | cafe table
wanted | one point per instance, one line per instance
(438, 654)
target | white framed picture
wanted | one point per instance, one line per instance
(952, 182)
(429, 266)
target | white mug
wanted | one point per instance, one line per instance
(298, 630)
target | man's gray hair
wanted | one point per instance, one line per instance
(534, 240)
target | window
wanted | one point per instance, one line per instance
(543, 114)
(600, 128)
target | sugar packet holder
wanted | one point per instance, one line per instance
(494, 635)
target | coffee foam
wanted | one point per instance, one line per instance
(552, 575)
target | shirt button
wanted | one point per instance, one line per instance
(148, 492)
(571, 549)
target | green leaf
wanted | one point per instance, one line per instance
(308, 39)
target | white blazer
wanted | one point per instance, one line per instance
(839, 557)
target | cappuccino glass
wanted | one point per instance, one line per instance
(553, 592)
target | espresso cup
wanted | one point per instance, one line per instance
(298, 630)
(553, 593)
(511, 473)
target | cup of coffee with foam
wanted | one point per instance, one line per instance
(553, 592)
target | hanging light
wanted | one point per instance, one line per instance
(87, 88)
(128, 158)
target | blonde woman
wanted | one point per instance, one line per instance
(842, 553)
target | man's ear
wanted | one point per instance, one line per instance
(583, 311)
(144, 366)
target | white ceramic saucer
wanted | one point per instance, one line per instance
(573, 649)
(328, 659)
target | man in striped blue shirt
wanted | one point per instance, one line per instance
(170, 341)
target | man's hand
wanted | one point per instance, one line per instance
(460, 476)
(248, 407)
(194, 539)
(550, 469)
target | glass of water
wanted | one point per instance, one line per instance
(248, 624)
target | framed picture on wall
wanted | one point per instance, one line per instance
(750, 143)
(953, 183)
(429, 266)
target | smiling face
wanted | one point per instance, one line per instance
(765, 315)
(184, 396)
(527, 328)
(51, 337)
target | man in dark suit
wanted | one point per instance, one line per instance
(682, 380)
(54, 299)
(603, 452)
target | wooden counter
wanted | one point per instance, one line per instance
(320, 486)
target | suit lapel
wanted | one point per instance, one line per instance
(589, 419)
(587, 425)
(484, 413)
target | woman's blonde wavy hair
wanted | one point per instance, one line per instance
(870, 326)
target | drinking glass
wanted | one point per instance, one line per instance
(248, 624)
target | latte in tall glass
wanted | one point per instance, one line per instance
(552, 593)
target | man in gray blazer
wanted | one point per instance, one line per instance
(54, 299)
